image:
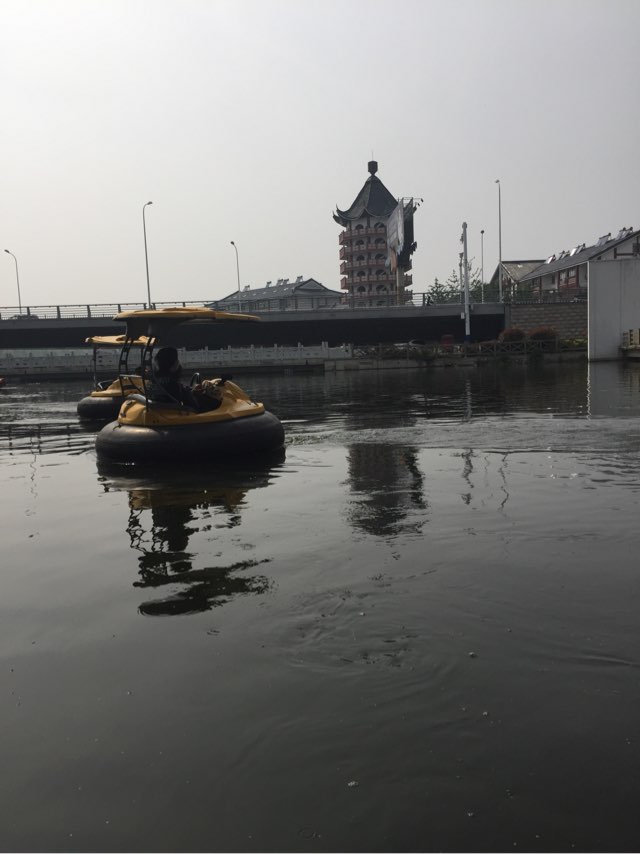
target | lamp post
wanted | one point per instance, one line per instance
(17, 280)
(499, 239)
(467, 318)
(237, 266)
(482, 264)
(146, 256)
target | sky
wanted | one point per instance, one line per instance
(252, 120)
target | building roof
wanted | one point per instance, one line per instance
(282, 288)
(516, 270)
(373, 199)
(580, 254)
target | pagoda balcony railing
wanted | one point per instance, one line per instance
(363, 232)
(369, 263)
(365, 280)
(368, 246)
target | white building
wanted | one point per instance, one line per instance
(303, 294)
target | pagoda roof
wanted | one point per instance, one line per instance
(373, 200)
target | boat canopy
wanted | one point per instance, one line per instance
(115, 341)
(156, 322)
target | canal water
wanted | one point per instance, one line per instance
(414, 630)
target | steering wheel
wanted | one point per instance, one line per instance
(195, 380)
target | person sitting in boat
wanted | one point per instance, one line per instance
(167, 371)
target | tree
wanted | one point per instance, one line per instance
(440, 292)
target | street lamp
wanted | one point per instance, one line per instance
(17, 280)
(146, 256)
(499, 239)
(482, 264)
(237, 265)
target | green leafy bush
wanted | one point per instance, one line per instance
(574, 343)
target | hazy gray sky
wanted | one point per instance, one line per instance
(250, 120)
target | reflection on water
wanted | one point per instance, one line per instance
(167, 507)
(388, 489)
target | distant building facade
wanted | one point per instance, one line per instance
(513, 272)
(373, 264)
(303, 294)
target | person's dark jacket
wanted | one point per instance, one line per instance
(174, 390)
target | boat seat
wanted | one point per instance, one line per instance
(160, 403)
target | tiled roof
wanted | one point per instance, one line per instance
(583, 254)
(282, 288)
(517, 270)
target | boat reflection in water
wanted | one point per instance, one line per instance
(167, 507)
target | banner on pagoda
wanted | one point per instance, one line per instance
(395, 234)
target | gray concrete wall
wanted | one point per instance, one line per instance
(614, 305)
(568, 319)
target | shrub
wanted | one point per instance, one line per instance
(543, 333)
(512, 333)
(574, 343)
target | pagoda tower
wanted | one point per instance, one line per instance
(373, 264)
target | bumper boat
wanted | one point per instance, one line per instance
(104, 402)
(155, 426)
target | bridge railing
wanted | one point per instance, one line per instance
(81, 311)
(368, 301)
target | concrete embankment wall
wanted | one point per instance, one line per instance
(568, 319)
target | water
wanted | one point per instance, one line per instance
(416, 630)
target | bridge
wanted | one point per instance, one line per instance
(68, 325)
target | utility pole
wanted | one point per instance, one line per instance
(467, 319)
(482, 265)
(499, 238)
(146, 255)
